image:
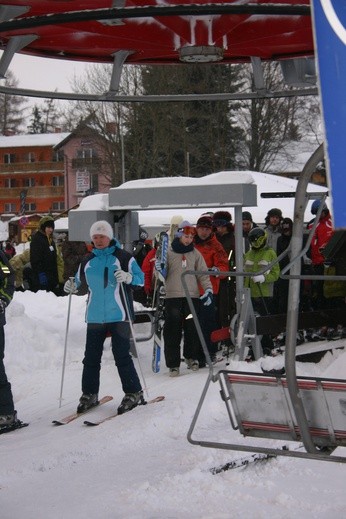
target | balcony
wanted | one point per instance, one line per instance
(10, 193)
(84, 163)
(31, 167)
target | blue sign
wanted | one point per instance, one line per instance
(329, 17)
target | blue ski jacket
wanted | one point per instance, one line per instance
(105, 298)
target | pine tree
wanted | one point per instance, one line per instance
(186, 138)
(36, 123)
(11, 108)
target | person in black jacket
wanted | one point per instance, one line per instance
(281, 285)
(8, 415)
(224, 232)
(248, 225)
(43, 257)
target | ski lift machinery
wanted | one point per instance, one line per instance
(311, 410)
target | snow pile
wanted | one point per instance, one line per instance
(139, 465)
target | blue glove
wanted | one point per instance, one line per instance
(42, 277)
(207, 297)
(2, 306)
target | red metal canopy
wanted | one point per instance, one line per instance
(158, 32)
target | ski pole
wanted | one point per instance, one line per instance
(66, 336)
(133, 334)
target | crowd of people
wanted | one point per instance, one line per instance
(113, 278)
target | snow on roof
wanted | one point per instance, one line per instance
(223, 177)
(61, 224)
(265, 182)
(36, 139)
(98, 201)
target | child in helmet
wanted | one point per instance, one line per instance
(261, 285)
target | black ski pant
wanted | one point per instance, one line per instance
(208, 322)
(6, 398)
(178, 319)
(96, 335)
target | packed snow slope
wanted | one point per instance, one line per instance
(139, 465)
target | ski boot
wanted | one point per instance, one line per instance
(130, 401)
(8, 419)
(10, 423)
(87, 401)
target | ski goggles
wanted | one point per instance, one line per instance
(187, 230)
(220, 223)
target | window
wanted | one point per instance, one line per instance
(10, 208)
(58, 206)
(86, 153)
(10, 182)
(58, 156)
(29, 182)
(95, 182)
(31, 156)
(9, 158)
(30, 207)
(58, 181)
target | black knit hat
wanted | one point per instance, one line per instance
(221, 218)
(275, 212)
(247, 216)
(205, 221)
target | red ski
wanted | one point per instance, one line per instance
(93, 424)
(74, 416)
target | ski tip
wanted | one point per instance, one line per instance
(90, 424)
(157, 399)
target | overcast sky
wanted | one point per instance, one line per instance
(44, 73)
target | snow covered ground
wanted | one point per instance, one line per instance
(139, 465)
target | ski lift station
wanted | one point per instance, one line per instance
(259, 405)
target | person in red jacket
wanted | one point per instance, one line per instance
(148, 267)
(216, 259)
(321, 237)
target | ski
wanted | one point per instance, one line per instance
(74, 416)
(308, 348)
(253, 458)
(110, 417)
(242, 462)
(18, 424)
(159, 320)
(160, 301)
(161, 255)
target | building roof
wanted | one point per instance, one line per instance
(29, 140)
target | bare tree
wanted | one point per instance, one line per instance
(270, 124)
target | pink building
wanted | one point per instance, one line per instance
(87, 169)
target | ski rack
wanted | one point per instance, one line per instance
(311, 410)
